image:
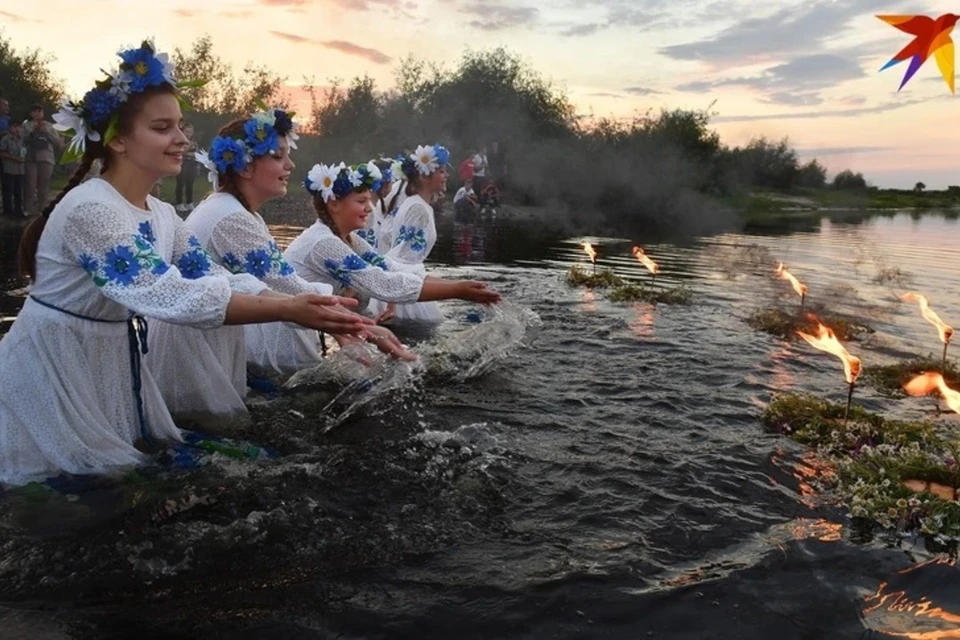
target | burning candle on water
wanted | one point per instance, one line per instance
(826, 340)
(927, 383)
(798, 286)
(645, 260)
(592, 253)
(945, 330)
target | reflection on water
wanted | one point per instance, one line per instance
(920, 602)
(610, 479)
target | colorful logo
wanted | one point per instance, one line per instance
(932, 37)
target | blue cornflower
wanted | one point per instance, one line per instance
(261, 137)
(121, 265)
(193, 264)
(442, 154)
(258, 263)
(228, 153)
(342, 185)
(99, 105)
(353, 262)
(141, 69)
(285, 268)
(147, 232)
(334, 269)
(193, 242)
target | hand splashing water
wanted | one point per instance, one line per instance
(370, 378)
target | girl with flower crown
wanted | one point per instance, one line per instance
(385, 197)
(103, 255)
(330, 251)
(203, 372)
(413, 231)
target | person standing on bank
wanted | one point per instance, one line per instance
(42, 144)
(184, 189)
(13, 156)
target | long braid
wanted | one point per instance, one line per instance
(324, 215)
(30, 240)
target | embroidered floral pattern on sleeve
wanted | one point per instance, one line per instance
(123, 263)
(368, 235)
(414, 236)
(341, 270)
(375, 259)
(259, 262)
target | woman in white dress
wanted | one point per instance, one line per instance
(413, 231)
(384, 194)
(330, 251)
(103, 255)
(249, 164)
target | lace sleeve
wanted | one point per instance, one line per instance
(410, 238)
(121, 260)
(368, 253)
(194, 262)
(247, 247)
(332, 256)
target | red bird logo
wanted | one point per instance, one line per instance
(931, 37)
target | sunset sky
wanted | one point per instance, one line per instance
(806, 70)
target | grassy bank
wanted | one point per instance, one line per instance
(759, 203)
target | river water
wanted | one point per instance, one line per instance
(604, 475)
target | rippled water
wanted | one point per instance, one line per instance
(606, 476)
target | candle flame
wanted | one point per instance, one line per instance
(945, 330)
(826, 340)
(798, 286)
(645, 260)
(590, 252)
(929, 382)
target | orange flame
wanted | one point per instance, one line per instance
(798, 286)
(827, 341)
(930, 381)
(945, 331)
(590, 252)
(645, 260)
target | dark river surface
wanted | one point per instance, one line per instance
(605, 476)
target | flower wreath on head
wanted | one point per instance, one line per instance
(140, 69)
(425, 161)
(387, 174)
(261, 136)
(336, 181)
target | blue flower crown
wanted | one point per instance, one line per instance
(261, 136)
(387, 174)
(425, 161)
(336, 181)
(139, 69)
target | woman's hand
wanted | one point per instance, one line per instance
(477, 292)
(388, 313)
(385, 341)
(324, 313)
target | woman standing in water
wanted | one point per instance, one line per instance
(331, 252)
(414, 230)
(202, 372)
(104, 255)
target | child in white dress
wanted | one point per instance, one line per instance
(330, 251)
(103, 256)
(413, 231)
(250, 164)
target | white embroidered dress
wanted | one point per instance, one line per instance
(203, 372)
(414, 233)
(380, 223)
(67, 402)
(320, 256)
